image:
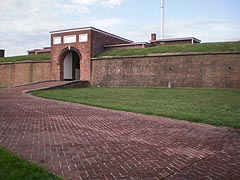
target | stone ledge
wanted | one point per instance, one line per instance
(165, 55)
(27, 61)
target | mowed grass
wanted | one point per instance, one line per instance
(179, 48)
(15, 168)
(39, 57)
(219, 107)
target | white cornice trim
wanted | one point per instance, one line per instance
(87, 29)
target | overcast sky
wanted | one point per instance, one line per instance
(25, 24)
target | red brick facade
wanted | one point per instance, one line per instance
(65, 41)
(72, 53)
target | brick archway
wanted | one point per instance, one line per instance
(62, 56)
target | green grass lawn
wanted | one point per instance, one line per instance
(26, 57)
(180, 48)
(219, 107)
(15, 168)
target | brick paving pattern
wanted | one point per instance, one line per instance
(81, 142)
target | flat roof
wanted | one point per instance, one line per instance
(178, 39)
(40, 50)
(89, 28)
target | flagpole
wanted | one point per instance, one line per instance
(162, 19)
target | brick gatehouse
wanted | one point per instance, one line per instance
(72, 50)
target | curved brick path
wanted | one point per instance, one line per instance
(81, 142)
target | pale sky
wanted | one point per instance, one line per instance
(25, 24)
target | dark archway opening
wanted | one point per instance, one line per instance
(70, 65)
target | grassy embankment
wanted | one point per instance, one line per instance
(203, 47)
(211, 106)
(15, 168)
(39, 57)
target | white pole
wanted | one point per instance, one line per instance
(162, 19)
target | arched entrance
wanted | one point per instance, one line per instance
(70, 64)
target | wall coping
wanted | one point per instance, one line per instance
(130, 44)
(166, 55)
(27, 61)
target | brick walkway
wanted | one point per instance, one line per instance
(81, 142)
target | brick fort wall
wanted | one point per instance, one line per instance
(206, 70)
(12, 74)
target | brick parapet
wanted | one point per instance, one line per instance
(201, 70)
(24, 72)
